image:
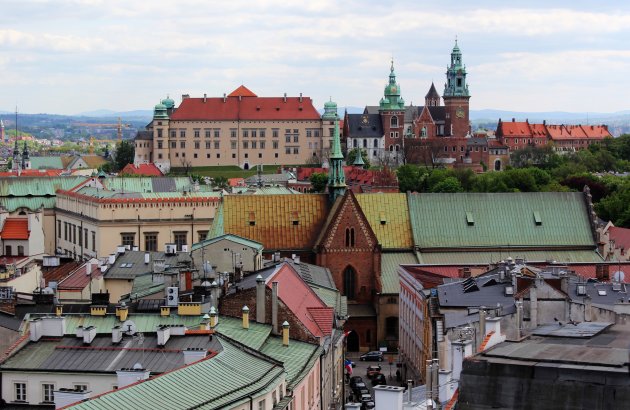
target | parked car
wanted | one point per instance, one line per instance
(367, 405)
(354, 380)
(372, 356)
(372, 370)
(360, 391)
(379, 379)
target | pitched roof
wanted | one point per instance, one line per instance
(250, 108)
(93, 161)
(229, 237)
(390, 282)
(388, 216)
(60, 272)
(473, 256)
(46, 163)
(364, 125)
(242, 91)
(142, 169)
(15, 229)
(514, 129)
(288, 222)
(540, 220)
(80, 278)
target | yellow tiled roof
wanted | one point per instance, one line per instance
(388, 215)
(94, 161)
(277, 221)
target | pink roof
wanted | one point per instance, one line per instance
(621, 237)
(301, 300)
(79, 279)
(236, 182)
(246, 107)
(33, 173)
(142, 169)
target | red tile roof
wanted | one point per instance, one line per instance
(15, 228)
(236, 182)
(60, 272)
(621, 237)
(485, 341)
(514, 129)
(302, 301)
(250, 108)
(142, 169)
(79, 279)
(242, 91)
(33, 173)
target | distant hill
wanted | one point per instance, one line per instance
(551, 116)
(135, 114)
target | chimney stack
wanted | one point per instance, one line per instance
(147, 258)
(205, 98)
(245, 317)
(58, 310)
(214, 317)
(116, 334)
(224, 98)
(260, 299)
(300, 97)
(285, 333)
(285, 97)
(482, 321)
(274, 308)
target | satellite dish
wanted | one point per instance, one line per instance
(138, 366)
(48, 291)
(619, 276)
(129, 328)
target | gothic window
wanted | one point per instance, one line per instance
(364, 143)
(459, 82)
(375, 143)
(355, 143)
(349, 282)
(394, 122)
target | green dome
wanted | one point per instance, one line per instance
(159, 106)
(159, 112)
(168, 102)
(330, 110)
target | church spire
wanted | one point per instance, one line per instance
(336, 176)
(392, 101)
(456, 75)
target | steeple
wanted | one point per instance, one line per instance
(336, 176)
(26, 163)
(392, 101)
(456, 76)
(2, 135)
(432, 99)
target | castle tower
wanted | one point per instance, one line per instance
(456, 97)
(26, 160)
(2, 135)
(432, 99)
(392, 110)
(161, 151)
(336, 176)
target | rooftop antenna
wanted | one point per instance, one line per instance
(259, 173)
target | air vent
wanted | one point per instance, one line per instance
(469, 219)
(537, 218)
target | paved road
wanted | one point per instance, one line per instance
(360, 369)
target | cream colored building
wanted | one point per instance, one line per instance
(92, 220)
(228, 252)
(239, 129)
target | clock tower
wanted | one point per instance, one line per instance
(456, 97)
(392, 111)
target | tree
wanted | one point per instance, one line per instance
(448, 184)
(408, 178)
(319, 180)
(125, 154)
(220, 182)
(352, 154)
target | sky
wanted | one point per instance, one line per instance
(72, 56)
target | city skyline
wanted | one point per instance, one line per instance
(67, 57)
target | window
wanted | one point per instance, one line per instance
(80, 237)
(246, 155)
(296, 150)
(296, 138)
(262, 144)
(350, 237)
(80, 386)
(202, 235)
(8, 251)
(349, 282)
(159, 145)
(159, 133)
(218, 155)
(391, 327)
(197, 145)
(216, 146)
(182, 133)
(308, 133)
(85, 235)
(245, 144)
(232, 132)
(207, 155)
(208, 145)
(150, 241)
(245, 133)
(254, 144)
(262, 405)
(253, 133)
(287, 151)
(48, 395)
(206, 133)
(262, 133)
(180, 238)
(216, 134)
(65, 231)
(275, 144)
(20, 250)
(394, 122)
(182, 144)
(274, 133)
(127, 238)
(93, 241)
(173, 134)
(173, 144)
(287, 138)
(59, 229)
(20, 391)
(233, 144)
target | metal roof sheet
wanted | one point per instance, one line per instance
(46, 163)
(253, 337)
(388, 216)
(229, 237)
(500, 220)
(390, 282)
(36, 186)
(298, 357)
(484, 257)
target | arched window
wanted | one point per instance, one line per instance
(375, 143)
(394, 122)
(349, 282)
(355, 143)
(497, 164)
(349, 237)
(364, 143)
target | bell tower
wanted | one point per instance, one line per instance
(456, 97)
(392, 111)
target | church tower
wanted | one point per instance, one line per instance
(432, 99)
(16, 155)
(160, 141)
(336, 176)
(456, 97)
(2, 135)
(26, 159)
(392, 111)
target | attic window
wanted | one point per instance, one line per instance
(469, 219)
(258, 108)
(537, 218)
(383, 218)
(294, 218)
(252, 219)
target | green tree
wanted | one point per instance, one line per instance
(125, 153)
(615, 207)
(220, 182)
(448, 184)
(319, 180)
(352, 154)
(408, 178)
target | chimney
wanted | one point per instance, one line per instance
(285, 97)
(89, 333)
(300, 97)
(461, 350)
(588, 309)
(245, 317)
(122, 311)
(466, 272)
(121, 249)
(388, 397)
(111, 259)
(285, 333)
(519, 319)
(58, 310)
(274, 308)
(35, 329)
(194, 354)
(185, 96)
(224, 98)
(214, 293)
(88, 268)
(429, 384)
(127, 376)
(163, 334)
(79, 332)
(296, 260)
(260, 299)
(53, 326)
(116, 334)
(205, 97)
(214, 317)
(533, 307)
(147, 258)
(482, 322)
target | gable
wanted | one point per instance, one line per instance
(388, 216)
(538, 220)
(279, 222)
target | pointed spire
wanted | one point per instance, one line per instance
(358, 159)
(336, 176)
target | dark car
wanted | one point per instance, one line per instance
(360, 391)
(372, 370)
(372, 356)
(354, 380)
(379, 379)
(367, 405)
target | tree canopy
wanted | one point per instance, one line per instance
(125, 153)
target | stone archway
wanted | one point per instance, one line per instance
(246, 166)
(497, 164)
(352, 341)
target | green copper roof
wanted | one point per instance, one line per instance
(484, 257)
(223, 381)
(159, 112)
(298, 357)
(391, 96)
(216, 228)
(497, 220)
(168, 102)
(330, 111)
(253, 337)
(46, 163)
(229, 237)
(390, 282)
